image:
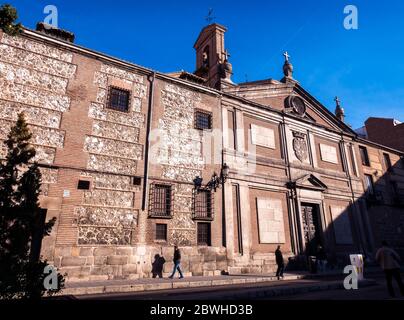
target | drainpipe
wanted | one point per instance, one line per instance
(151, 79)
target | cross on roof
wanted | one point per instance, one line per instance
(337, 100)
(210, 16)
(226, 55)
(287, 56)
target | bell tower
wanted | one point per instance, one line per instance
(211, 57)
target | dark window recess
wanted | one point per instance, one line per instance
(83, 185)
(160, 205)
(161, 231)
(118, 99)
(364, 156)
(369, 184)
(394, 188)
(137, 181)
(203, 208)
(387, 161)
(204, 234)
(203, 120)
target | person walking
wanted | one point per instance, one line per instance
(389, 261)
(177, 262)
(321, 259)
(279, 262)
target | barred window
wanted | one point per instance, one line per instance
(161, 231)
(160, 205)
(118, 99)
(203, 204)
(387, 161)
(203, 120)
(203, 234)
(83, 185)
(369, 184)
(364, 156)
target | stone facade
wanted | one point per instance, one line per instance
(292, 170)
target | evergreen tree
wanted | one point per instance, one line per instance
(8, 16)
(21, 269)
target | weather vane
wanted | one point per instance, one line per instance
(210, 16)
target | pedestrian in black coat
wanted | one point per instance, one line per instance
(279, 262)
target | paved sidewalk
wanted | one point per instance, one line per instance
(150, 284)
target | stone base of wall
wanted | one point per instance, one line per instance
(258, 263)
(84, 263)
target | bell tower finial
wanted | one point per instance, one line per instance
(339, 111)
(287, 69)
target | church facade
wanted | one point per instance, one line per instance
(135, 161)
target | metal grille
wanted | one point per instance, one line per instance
(369, 184)
(203, 120)
(160, 205)
(204, 234)
(203, 204)
(118, 99)
(83, 185)
(387, 161)
(161, 231)
(364, 156)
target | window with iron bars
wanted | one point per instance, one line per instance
(118, 99)
(161, 231)
(204, 237)
(203, 120)
(203, 204)
(160, 201)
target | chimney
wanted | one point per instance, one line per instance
(55, 32)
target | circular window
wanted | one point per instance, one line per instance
(298, 105)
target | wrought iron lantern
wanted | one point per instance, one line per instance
(215, 182)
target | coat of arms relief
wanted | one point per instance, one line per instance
(300, 146)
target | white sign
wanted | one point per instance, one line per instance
(328, 153)
(270, 221)
(357, 263)
(66, 193)
(262, 136)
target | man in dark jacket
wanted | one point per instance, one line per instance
(177, 262)
(279, 262)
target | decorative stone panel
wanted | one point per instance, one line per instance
(111, 164)
(270, 221)
(104, 235)
(37, 47)
(108, 198)
(111, 147)
(120, 73)
(33, 78)
(37, 62)
(341, 225)
(26, 95)
(328, 153)
(115, 131)
(107, 217)
(97, 111)
(33, 115)
(262, 136)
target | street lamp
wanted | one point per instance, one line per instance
(214, 182)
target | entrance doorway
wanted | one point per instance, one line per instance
(311, 224)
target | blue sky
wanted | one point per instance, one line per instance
(363, 67)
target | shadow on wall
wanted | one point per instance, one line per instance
(379, 216)
(157, 266)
